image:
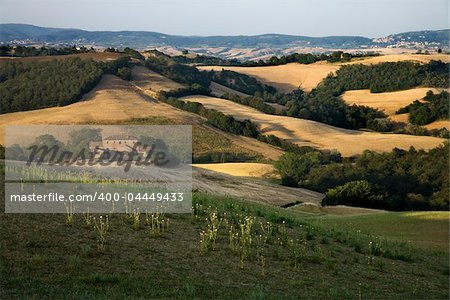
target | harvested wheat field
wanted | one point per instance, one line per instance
(291, 76)
(241, 169)
(388, 102)
(438, 125)
(113, 99)
(218, 90)
(152, 82)
(315, 134)
(97, 56)
(422, 58)
(252, 189)
(285, 78)
(403, 118)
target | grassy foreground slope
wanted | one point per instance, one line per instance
(289, 256)
(431, 229)
(315, 134)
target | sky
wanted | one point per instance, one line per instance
(369, 18)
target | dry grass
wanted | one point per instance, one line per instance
(403, 118)
(291, 76)
(100, 56)
(235, 142)
(112, 100)
(388, 102)
(401, 57)
(285, 77)
(152, 82)
(218, 90)
(438, 125)
(241, 169)
(315, 134)
(252, 189)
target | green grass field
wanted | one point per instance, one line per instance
(427, 230)
(270, 253)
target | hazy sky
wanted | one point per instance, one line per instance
(371, 18)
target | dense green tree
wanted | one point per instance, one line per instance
(355, 193)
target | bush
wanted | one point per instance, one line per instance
(355, 193)
(380, 124)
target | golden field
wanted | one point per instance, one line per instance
(152, 82)
(241, 169)
(113, 99)
(315, 134)
(285, 78)
(388, 102)
(291, 76)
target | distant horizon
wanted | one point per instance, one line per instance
(366, 18)
(212, 35)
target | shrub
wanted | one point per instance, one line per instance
(354, 193)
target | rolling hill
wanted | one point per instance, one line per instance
(10, 33)
(294, 75)
(310, 133)
(388, 102)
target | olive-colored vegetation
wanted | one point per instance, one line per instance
(434, 108)
(55, 83)
(397, 180)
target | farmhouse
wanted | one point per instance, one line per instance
(115, 143)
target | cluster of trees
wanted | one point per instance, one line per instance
(195, 89)
(24, 51)
(387, 77)
(324, 104)
(205, 60)
(302, 58)
(132, 53)
(166, 66)
(251, 101)
(216, 118)
(422, 131)
(421, 113)
(241, 82)
(27, 86)
(398, 180)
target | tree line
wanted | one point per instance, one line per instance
(215, 118)
(396, 180)
(54, 83)
(301, 58)
(24, 51)
(166, 66)
(423, 113)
